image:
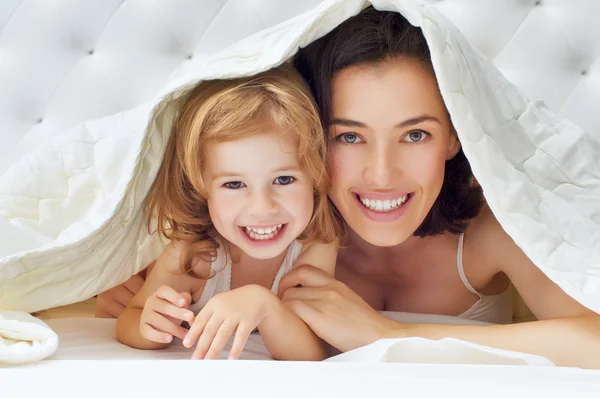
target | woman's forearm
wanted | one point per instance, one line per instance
(128, 331)
(566, 341)
(287, 337)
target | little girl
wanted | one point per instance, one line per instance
(242, 196)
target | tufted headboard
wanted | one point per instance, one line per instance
(63, 62)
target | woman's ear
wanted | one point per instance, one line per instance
(453, 144)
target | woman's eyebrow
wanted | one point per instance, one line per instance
(405, 123)
(417, 120)
(348, 123)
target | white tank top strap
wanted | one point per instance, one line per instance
(292, 255)
(220, 282)
(461, 268)
(496, 308)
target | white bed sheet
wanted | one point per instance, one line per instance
(163, 378)
(96, 339)
(90, 362)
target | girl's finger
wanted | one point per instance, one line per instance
(168, 309)
(171, 295)
(162, 324)
(207, 336)
(223, 335)
(197, 327)
(149, 333)
(239, 342)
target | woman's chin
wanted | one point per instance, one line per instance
(382, 235)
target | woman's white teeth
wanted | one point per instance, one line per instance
(263, 233)
(383, 205)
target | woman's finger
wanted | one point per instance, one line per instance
(303, 275)
(239, 342)
(310, 312)
(134, 284)
(223, 335)
(309, 293)
(122, 295)
(207, 336)
(107, 306)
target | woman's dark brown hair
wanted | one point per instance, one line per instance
(373, 37)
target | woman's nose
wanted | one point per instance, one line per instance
(380, 168)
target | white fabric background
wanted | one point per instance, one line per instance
(63, 62)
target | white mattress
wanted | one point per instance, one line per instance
(91, 363)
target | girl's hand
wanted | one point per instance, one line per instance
(237, 312)
(332, 310)
(163, 313)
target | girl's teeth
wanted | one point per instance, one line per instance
(263, 233)
(383, 205)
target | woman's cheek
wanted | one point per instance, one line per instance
(428, 170)
(339, 165)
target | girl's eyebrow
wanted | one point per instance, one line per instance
(409, 122)
(286, 168)
(229, 174)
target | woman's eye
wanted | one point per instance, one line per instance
(348, 138)
(416, 136)
(234, 185)
(284, 180)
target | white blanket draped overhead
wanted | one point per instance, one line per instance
(71, 218)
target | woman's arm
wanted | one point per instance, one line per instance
(343, 319)
(573, 341)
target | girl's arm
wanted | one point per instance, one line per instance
(163, 288)
(285, 335)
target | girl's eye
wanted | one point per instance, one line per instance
(348, 138)
(284, 180)
(416, 136)
(234, 185)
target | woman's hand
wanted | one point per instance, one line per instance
(332, 310)
(111, 303)
(234, 313)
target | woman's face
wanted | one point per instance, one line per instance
(389, 141)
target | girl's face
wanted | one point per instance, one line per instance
(389, 140)
(259, 198)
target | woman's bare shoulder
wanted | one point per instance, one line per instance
(488, 240)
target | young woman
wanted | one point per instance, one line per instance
(420, 237)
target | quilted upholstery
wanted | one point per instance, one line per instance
(63, 62)
(68, 62)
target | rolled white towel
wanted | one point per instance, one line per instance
(24, 338)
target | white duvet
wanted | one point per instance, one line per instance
(71, 220)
